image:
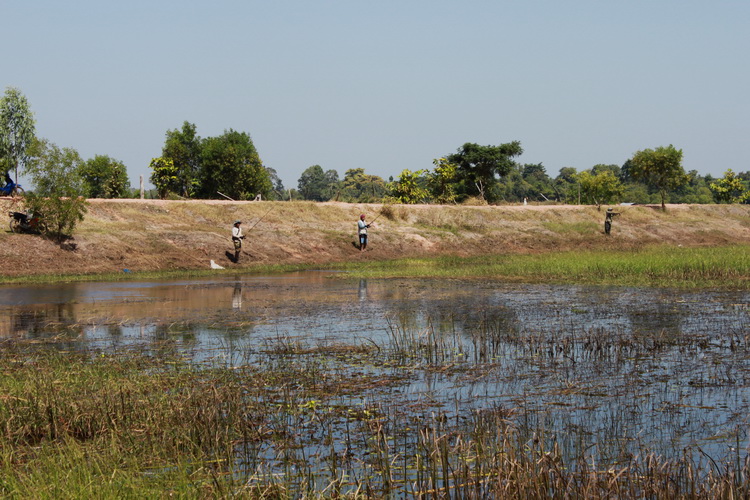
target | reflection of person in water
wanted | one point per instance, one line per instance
(362, 290)
(237, 296)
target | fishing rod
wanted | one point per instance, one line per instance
(376, 218)
(264, 216)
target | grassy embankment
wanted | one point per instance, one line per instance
(692, 245)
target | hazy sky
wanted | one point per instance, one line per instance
(388, 85)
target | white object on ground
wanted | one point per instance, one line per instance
(214, 265)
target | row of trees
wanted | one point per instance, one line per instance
(490, 174)
(230, 166)
(227, 165)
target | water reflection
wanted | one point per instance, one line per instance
(598, 366)
(237, 296)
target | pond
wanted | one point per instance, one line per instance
(600, 371)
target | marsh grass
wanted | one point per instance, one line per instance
(727, 267)
(305, 421)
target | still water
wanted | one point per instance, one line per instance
(616, 368)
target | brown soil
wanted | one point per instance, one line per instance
(144, 235)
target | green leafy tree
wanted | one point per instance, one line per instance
(358, 187)
(601, 167)
(636, 192)
(479, 166)
(695, 190)
(104, 177)
(17, 129)
(164, 176)
(536, 183)
(317, 185)
(409, 188)
(183, 147)
(231, 165)
(511, 186)
(602, 187)
(660, 168)
(728, 189)
(566, 185)
(443, 181)
(333, 182)
(58, 188)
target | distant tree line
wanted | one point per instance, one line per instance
(229, 166)
(490, 174)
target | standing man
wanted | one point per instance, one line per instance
(362, 230)
(608, 220)
(237, 238)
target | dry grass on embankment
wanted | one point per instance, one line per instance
(143, 235)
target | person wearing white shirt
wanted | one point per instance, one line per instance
(362, 230)
(237, 238)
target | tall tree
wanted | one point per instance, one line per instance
(17, 129)
(231, 165)
(183, 147)
(104, 177)
(313, 185)
(359, 187)
(442, 181)
(660, 168)
(478, 165)
(58, 187)
(164, 176)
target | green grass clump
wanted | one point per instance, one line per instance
(662, 266)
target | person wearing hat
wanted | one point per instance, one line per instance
(362, 231)
(608, 220)
(237, 238)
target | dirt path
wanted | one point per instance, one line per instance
(156, 235)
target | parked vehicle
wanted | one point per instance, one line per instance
(21, 222)
(11, 188)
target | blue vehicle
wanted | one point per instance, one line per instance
(11, 188)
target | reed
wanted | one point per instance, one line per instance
(300, 421)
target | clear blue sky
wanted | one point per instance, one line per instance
(388, 85)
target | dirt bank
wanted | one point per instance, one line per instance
(157, 235)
